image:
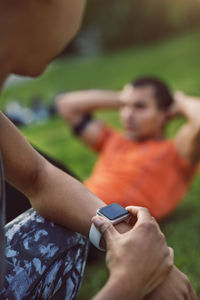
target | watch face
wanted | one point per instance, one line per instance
(113, 211)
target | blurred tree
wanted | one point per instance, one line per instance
(115, 24)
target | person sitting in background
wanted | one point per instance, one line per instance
(138, 166)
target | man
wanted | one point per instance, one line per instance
(32, 33)
(138, 166)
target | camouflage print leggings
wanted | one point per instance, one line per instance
(44, 260)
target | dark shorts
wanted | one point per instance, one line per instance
(44, 260)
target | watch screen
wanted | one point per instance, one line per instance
(113, 211)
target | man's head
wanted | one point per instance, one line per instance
(144, 108)
(33, 32)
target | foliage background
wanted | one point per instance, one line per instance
(118, 24)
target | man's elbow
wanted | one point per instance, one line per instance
(61, 105)
(64, 108)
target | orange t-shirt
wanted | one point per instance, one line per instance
(151, 174)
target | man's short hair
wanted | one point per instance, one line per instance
(162, 93)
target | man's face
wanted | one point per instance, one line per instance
(140, 116)
(41, 30)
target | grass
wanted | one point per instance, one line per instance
(177, 62)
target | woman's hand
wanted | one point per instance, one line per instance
(138, 260)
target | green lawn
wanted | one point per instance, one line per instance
(177, 61)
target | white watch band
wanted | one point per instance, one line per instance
(95, 237)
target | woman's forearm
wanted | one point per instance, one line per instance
(116, 289)
(64, 200)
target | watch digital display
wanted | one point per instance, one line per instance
(113, 211)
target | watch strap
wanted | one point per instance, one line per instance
(95, 237)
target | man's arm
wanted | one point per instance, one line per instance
(187, 140)
(75, 105)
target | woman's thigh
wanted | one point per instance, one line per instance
(44, 260)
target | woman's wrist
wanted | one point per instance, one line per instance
(124, 286)
(117, 288)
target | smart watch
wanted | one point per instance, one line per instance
(115, 213)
